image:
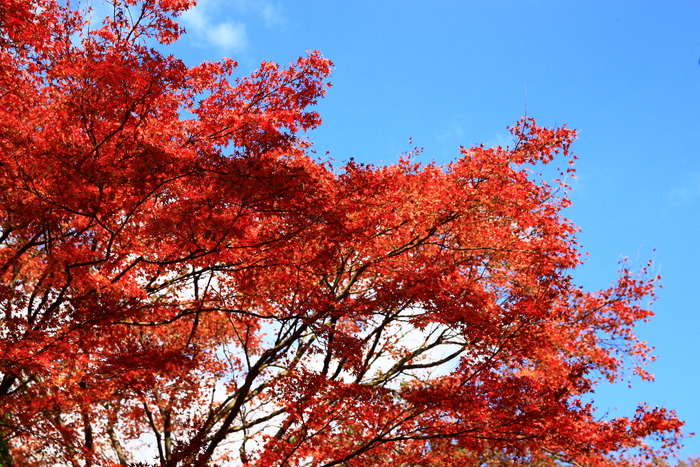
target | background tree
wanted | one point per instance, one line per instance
(183, 281)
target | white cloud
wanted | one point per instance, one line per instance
(195, 17)
(272, 14)
(454, 134)
(229, 36)
(686, 191)
(269, 11)
(201, 24)
(209, 23)
(500, 139)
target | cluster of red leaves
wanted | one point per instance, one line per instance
(198, 290)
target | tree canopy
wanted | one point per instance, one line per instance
(184, 283)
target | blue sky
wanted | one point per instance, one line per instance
(449, 73)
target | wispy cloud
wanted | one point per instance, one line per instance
(686, 191)
(229, 36)
(272, 14)
(453, 134)
(270, 11)
(499, 139)
(201, 22)
(209, 25)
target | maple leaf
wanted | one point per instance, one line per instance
(201, 289)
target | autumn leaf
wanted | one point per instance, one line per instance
(182, 280)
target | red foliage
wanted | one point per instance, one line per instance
(199, 289)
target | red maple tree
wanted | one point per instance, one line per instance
(183, 283)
